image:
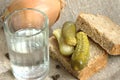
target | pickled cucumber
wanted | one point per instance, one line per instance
(64, 48)
(81, 54)
(69, 31)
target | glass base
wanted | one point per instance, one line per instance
(41, 77)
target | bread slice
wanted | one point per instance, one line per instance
(102, 30)
(98, 59)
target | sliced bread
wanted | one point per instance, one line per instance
(98, 59)
(102, 30)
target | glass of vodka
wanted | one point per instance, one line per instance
(27, 32)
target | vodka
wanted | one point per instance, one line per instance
(29, 54)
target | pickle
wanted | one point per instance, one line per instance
(68, 32)
(81, 54)
(64, 48)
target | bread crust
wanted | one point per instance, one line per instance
(102, 30)
(98, 60)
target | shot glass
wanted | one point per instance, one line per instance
(27, 33)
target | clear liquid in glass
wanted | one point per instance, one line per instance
(28, 55)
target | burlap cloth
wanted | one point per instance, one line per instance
(110, 8)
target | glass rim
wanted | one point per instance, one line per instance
(46, 22)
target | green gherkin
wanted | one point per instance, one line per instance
(64, 48)
(81, 54)
(68, 32)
